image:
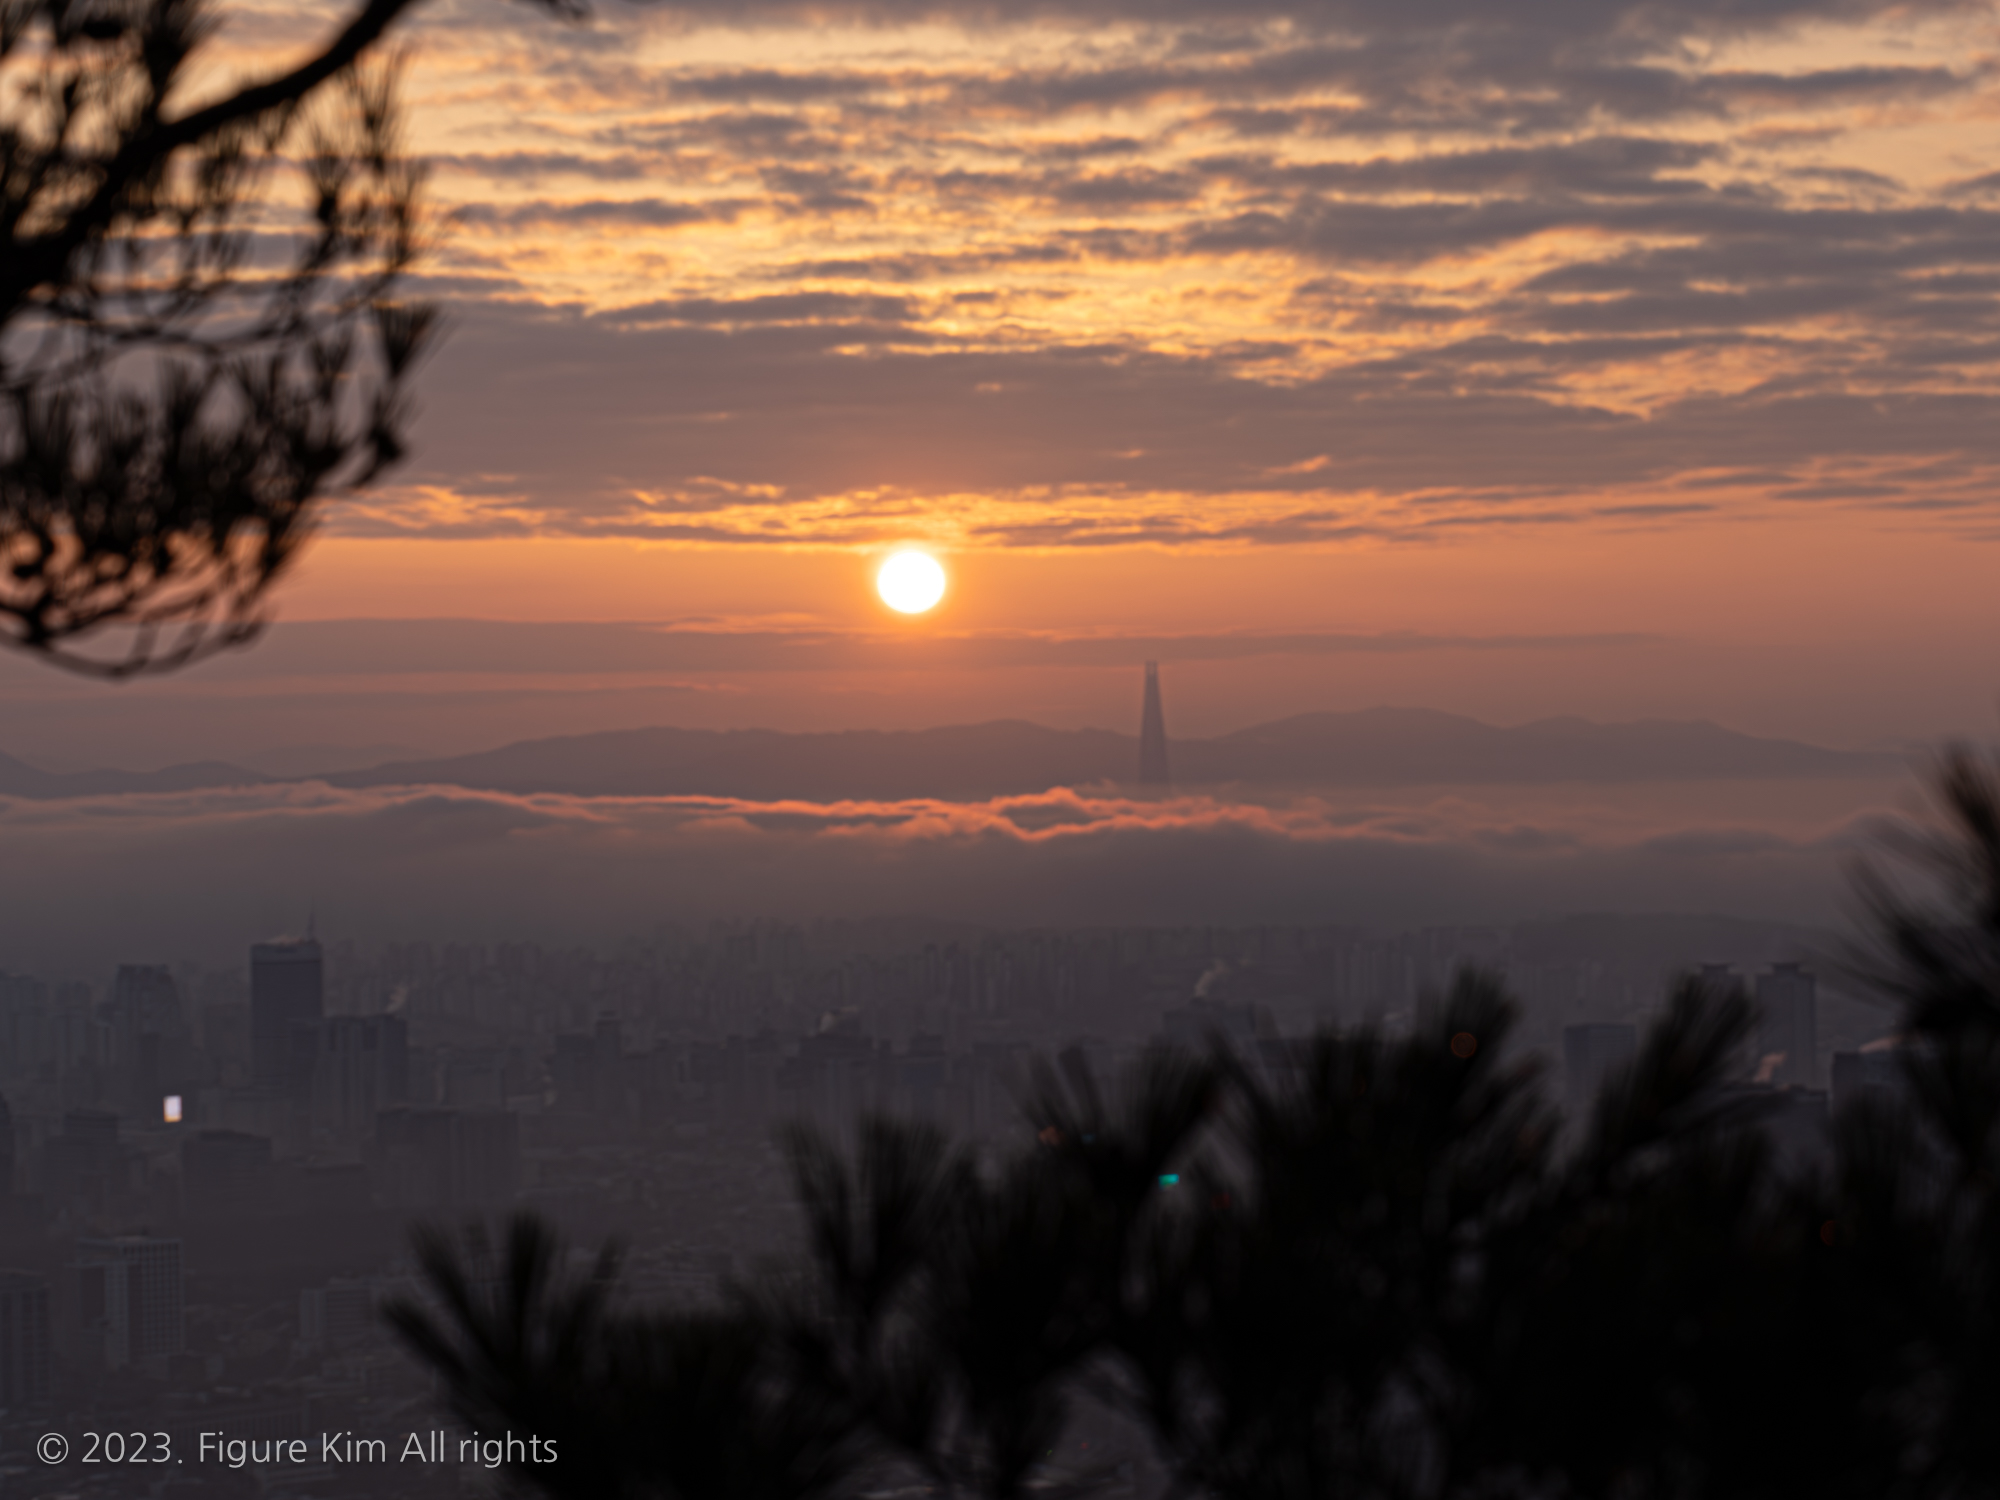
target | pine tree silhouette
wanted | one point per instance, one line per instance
(170, 414)
(1373, 1268)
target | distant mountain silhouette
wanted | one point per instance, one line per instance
(971, 760)
(1378, 747)
(19, 779)
(1415, 746)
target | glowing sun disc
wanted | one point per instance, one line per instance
(910, 582)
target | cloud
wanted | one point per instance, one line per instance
(1111, 274)
(98, 880)
(780, 307)
(837, 415)
(532, 166)
(637, 213)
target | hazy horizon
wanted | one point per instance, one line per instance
(349, 689)
(1549, 450)
(543, 855)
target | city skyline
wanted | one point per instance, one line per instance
(639, 1092)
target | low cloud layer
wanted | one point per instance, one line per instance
(97, 881)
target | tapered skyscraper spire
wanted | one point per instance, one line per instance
(1153, 733)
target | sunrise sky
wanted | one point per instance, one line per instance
(1613, 359)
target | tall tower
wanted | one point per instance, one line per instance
(1153, 733)
(286, 1007)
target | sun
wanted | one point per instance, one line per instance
(910, 582)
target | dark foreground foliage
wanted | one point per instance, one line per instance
(1380, 1274)
(177, 399)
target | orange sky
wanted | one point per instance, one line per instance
(1514, 358)
(1595, 358)
(1860, 634)
(1205, 277)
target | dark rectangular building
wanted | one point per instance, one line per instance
(24, 1339)
(128, 1301)
(287, 1004)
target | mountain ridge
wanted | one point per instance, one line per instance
(1377, 747)
(1369, 747)
(19, 779)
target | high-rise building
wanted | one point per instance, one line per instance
(146, 1037)
(1153, 733)
(344, 1312)
(1590, 1052)
(363, 1068)
(1786, 1029)
(412, 1157)
(24, 1338)
(128, 1299)
(144, 998)
(473, 1078)
(287, 1004)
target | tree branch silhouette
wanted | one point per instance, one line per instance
(181, 388)
(1369, 1266)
